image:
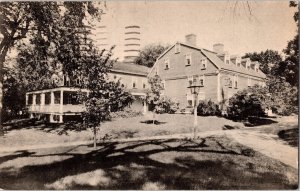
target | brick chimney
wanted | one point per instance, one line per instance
(218, 48)
(191, 39)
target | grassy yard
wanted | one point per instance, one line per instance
(117, 128)
(208, 163)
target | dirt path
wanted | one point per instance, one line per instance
(267, 144)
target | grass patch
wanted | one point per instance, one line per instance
(207, 163)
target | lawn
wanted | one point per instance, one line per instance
(208, 163)
(117, 128)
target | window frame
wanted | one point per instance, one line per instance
(167, 63)
(188, 57)
(203, 63)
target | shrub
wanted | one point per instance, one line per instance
(126, 113)
(166, 105)
(208, 108)
(244, 104)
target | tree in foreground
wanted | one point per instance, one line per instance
(104, 96)
(36, 21)
(158, 103)
(149, 54)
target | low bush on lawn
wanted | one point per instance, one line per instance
(127, 113)
(208, 108)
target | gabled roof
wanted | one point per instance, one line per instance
(214, 58)
(128, 68)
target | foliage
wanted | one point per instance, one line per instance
(42, 24)
(244, 104)
(208, 108)
(289, 68)
(104, 96)
(126, 113)
(149, 54)
(166, 105)
(153, 96)
(266, 59)
(283, 98)
(13, 96)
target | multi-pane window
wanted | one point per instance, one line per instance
(203, 63)
(30, 99)
(47, 98)
(167, 64)
(134, 83)
(56, 97)
(188, 59)
(38, 99)
(201, 80)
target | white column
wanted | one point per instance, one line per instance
(33, 99)
(145, 107)
(61, 101)
(60, 118)
(26, 99)
(219, 88)
(43, 99)
(52, 98)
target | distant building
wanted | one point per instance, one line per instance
(132, 43)
(219, 74)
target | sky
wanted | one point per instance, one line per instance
(270, 24)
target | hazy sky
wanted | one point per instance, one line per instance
(269, 26)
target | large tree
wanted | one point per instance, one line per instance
(289, 68)
(267, 59)
(149, 54)
(38, 21)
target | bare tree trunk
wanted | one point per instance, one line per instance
(4, 50)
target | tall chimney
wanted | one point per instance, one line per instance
(191, 39)
(218, 48)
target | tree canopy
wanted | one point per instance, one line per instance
(267, 59)
(149, 54)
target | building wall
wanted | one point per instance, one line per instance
(176, 77)
(242, 83)
(128, 79)
(178, 67)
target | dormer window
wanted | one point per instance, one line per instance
(167, 64)
(177, 48)
(203, 63)
(227, 58)
(188, 59)
(238, 61)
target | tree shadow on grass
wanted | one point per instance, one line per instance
(155, 122)
(162, 164)
(291, 136)
(258, 121)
